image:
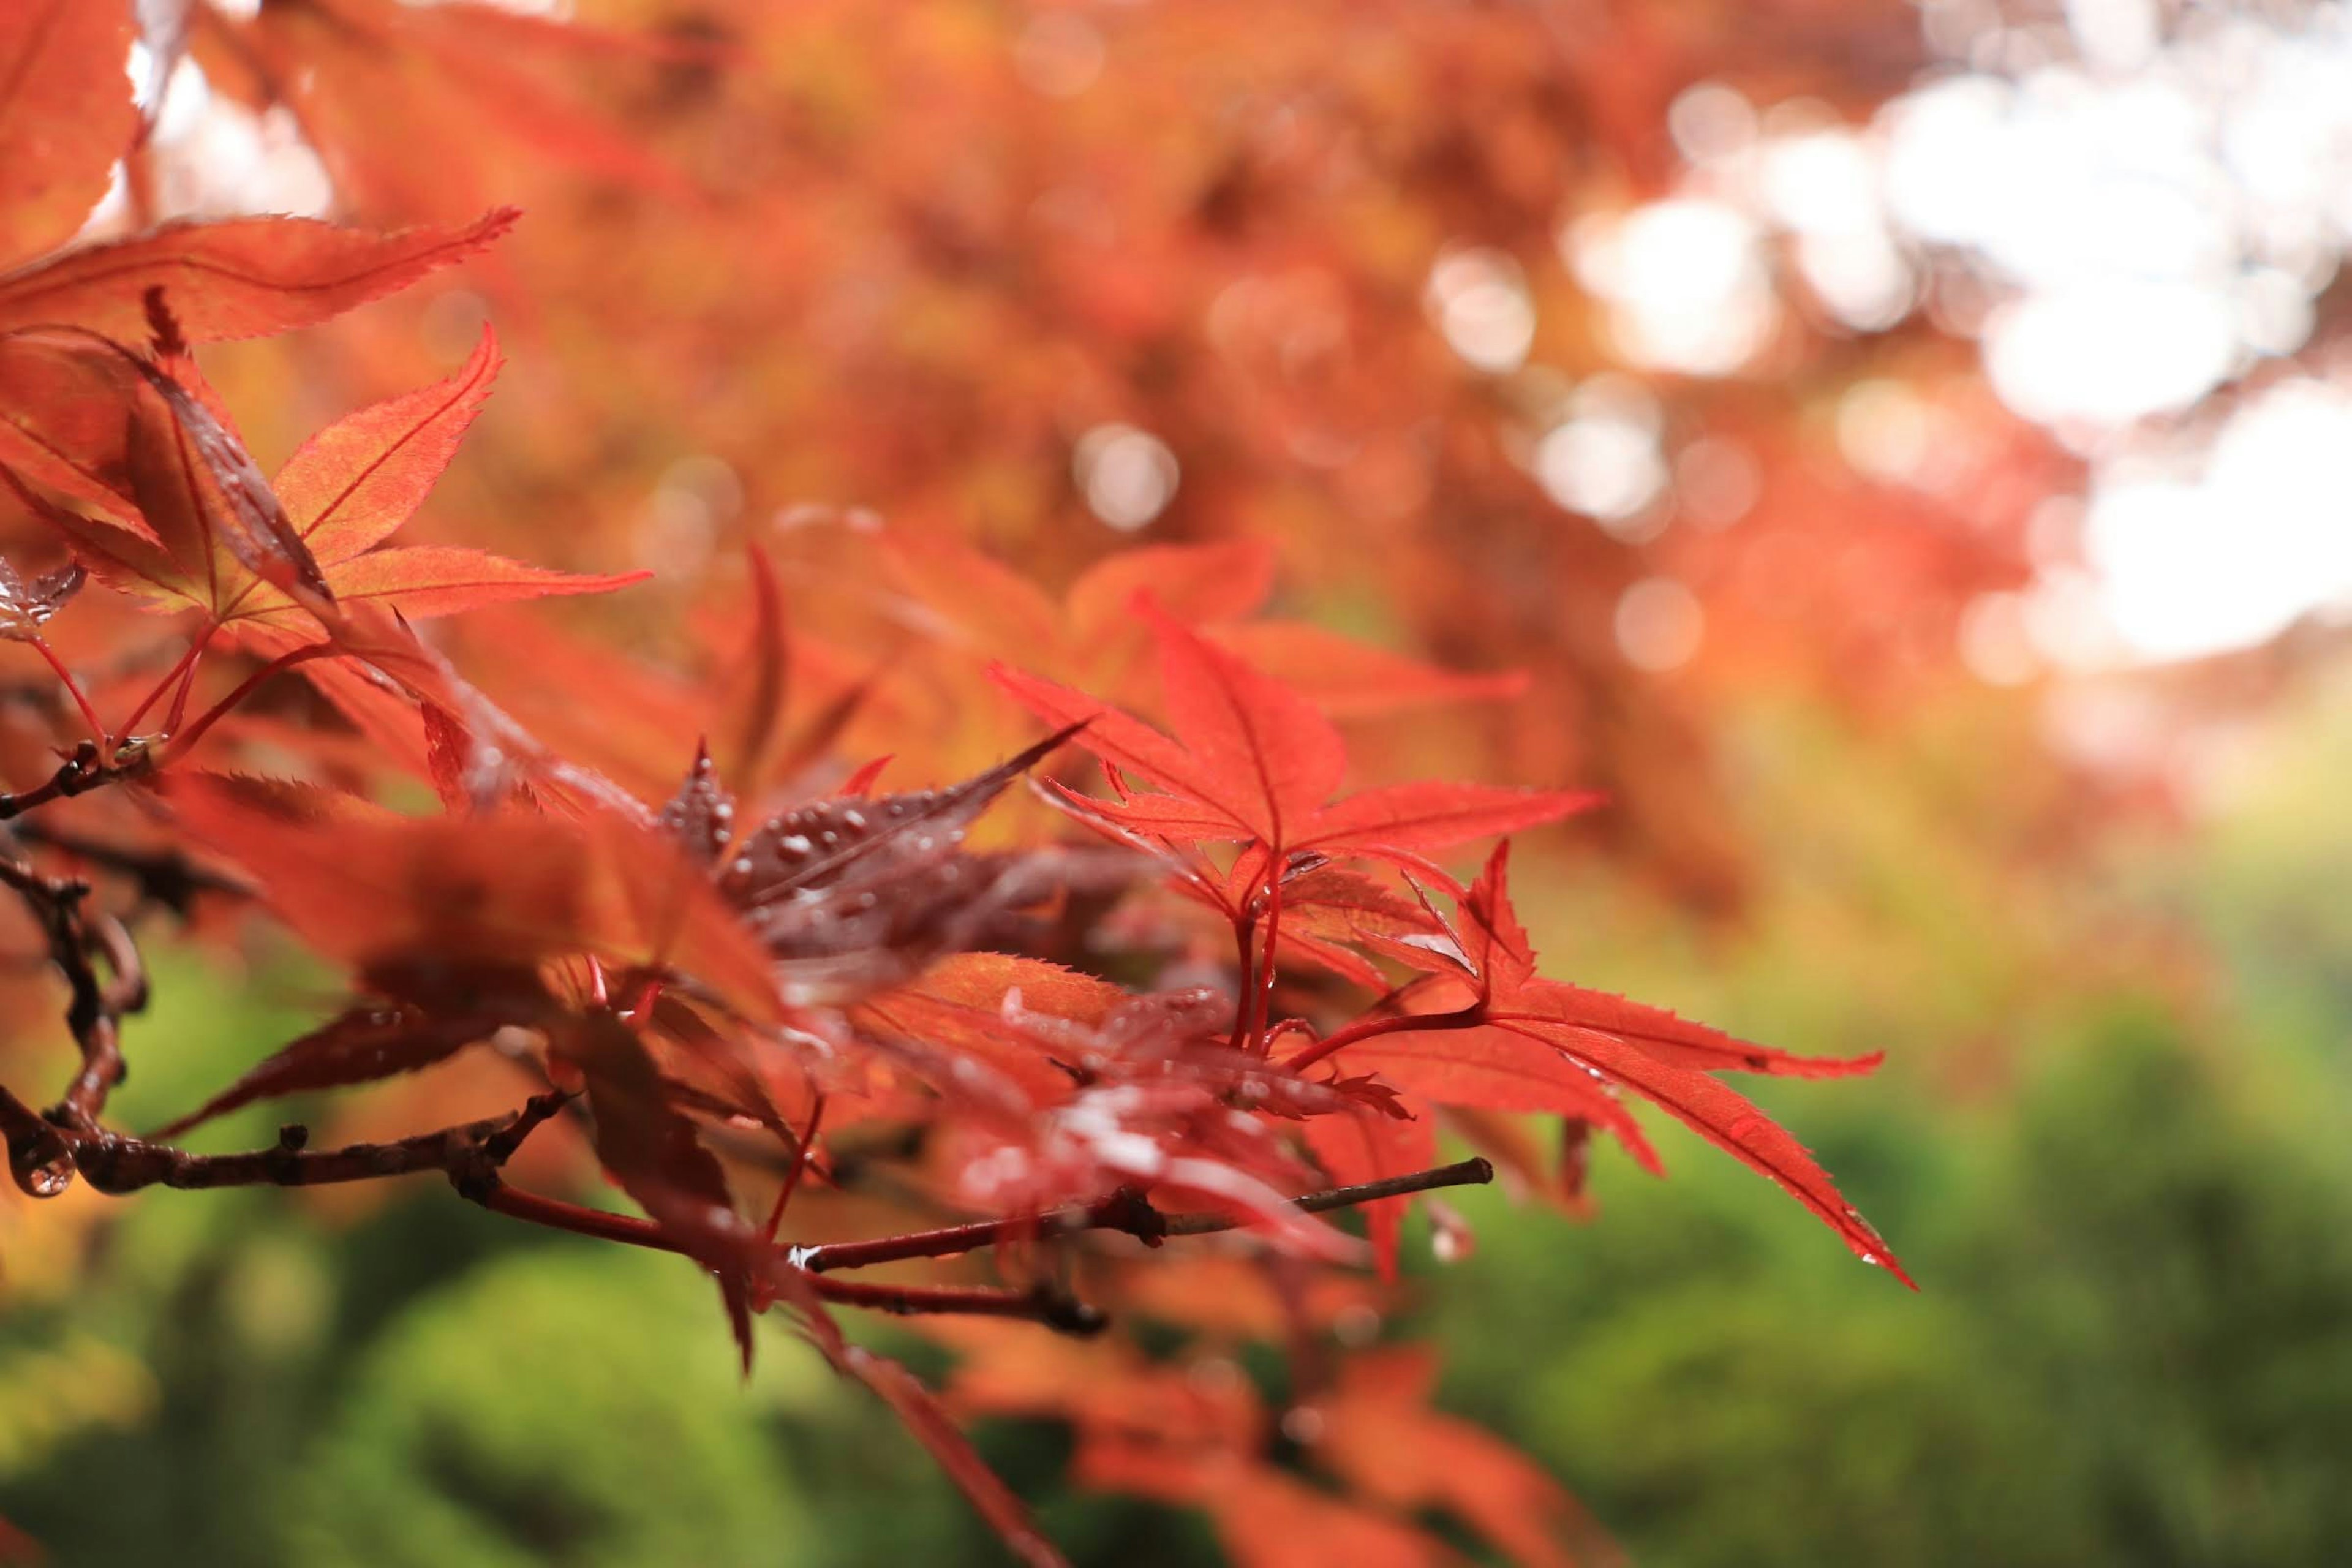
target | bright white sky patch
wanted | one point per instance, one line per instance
(1685, 280)
(2232, 556)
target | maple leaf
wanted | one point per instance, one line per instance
(501, 890)
(653, 1153)
(210, 533)
(1253, 759)
(959, 1005)
(361, 1044)
(244, 279)
(1378, 1432)
(854, 893)
(922, 1415)
(1364, 1145)
(1521, 1042)
(65, 116)
(1094, 637)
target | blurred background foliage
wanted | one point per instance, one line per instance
(1805, 559)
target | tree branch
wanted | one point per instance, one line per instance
(80, 773)
(165, 876)
(1126, 1210)
(95, 1013)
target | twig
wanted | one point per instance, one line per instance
(117, 1164)
(80, 773)
(165, 876)
(1126, 1210)
(95, 1013)
(1472, 1172)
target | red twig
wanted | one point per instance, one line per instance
(195, 650)
(803, 1153)
(186, 740)
(1469, 1017)
(73, 688)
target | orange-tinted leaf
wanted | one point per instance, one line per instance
(1492, 1069)
(351, 486)
(66, 116)
(1269, 1519)
(361, 1046)
(1425, 816)
(1272, 755)
(204, 481)
(1252, 752)
(1348, 679)
(1720, 1115)
(1193, 583)
(983, 600)
(241, 280)
(422, 581)
(1379, 1434)
(62, 403)
(919, 1410)
(959, 1004)
(1355, 1146)
(1119, 739)
(1678, 1040)
(505, 887)
(1647, 1051)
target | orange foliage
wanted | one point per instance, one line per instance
(847, 291)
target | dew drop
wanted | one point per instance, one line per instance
(47, 1179)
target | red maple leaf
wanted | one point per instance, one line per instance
(1491, 1032)
(1253, 760)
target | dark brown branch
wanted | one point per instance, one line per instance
(80, 773)
(117, 1164)
(95, 1013)
(1042, 1303)
(1472, 1172)
(45, 1154)
(1126, 1210)
(165, 876)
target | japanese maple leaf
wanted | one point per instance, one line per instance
(853, 893)
(403, 900)
(1094, 637)
(204, 531)
(1253, 760)
(418, 109)
(244, 279)
(66, 116)
(1380, 1433)
(1520, 1042)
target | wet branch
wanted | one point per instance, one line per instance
(1127, 1210)
(77, 941)
(85, 770)
(47, 1151)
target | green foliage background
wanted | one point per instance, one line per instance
(2116, 1161)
